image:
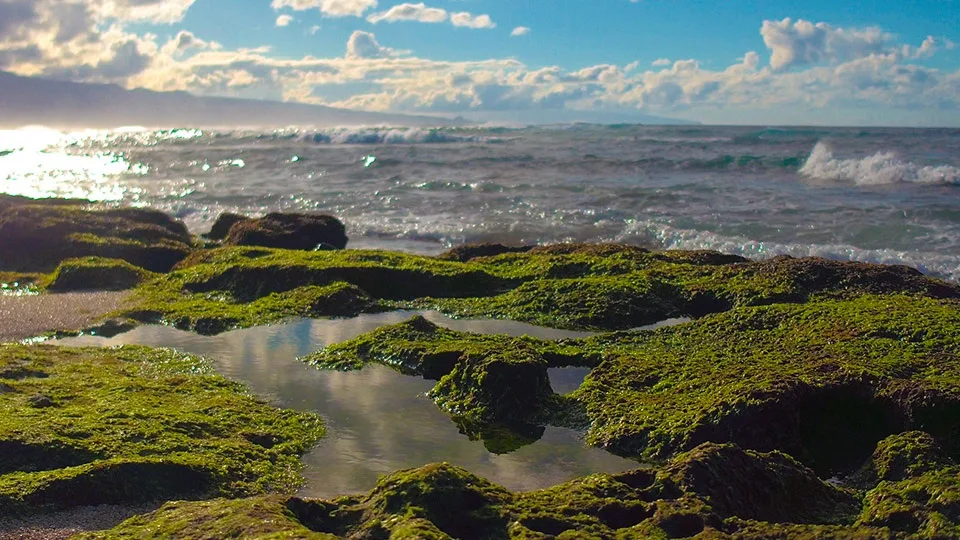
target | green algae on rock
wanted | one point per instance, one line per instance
(36, 235)
(96, 273)
(823, 381)
(591, 287)
(134, 424)
(702, 492)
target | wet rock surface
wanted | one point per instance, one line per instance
(36, 235)
(288, 231)
(133, 425)
(715, 491)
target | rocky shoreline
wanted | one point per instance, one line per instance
(806, 398)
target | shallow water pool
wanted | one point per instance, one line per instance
(378, 420)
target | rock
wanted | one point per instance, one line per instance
(95, 273)
(470, 251)
(6, 389)
(752, 485)
(907, 455)
(221, 227)
(35, 236)
(506, 386)
(289, 231)
(112, 327)
(40, 401)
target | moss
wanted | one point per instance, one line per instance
(927, 505)
(823, 381)
(265, 518)
(96, 273)
(567, 286)
(19, 281)
(904, 455)
(444, 501)
(35, 236)
(129, 424)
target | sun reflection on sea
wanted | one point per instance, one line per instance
(41, 163)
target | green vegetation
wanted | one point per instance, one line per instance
(714, 491)
(96, 273)
(823, 381)
(576, 286)
(127, 425)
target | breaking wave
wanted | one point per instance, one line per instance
(880, 168)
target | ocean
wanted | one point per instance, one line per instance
(869, 194)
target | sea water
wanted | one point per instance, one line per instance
(881, 195)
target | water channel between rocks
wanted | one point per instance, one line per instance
(378, 421)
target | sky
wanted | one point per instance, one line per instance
(772, 62)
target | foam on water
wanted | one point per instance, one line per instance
(883, 167)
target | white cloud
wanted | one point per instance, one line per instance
(314, 29)
(520, 31)
(840, 68)
(661, 62)
(332, 8)
(284, 20)
(467, 20)
(795, 44)
(365, 45)
(409, 12)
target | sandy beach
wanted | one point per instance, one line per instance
(26, 316)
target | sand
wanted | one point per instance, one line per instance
(26, 316)
(58, 525)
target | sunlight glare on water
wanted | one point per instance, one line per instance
(34, 163)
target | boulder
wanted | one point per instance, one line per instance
(221, 227)
(470, 251)
(35, 236)
(289, 231)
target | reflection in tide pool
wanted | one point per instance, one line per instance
(378, 420)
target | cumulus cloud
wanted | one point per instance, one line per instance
(520, 31)
(801, 42)
(331, 8)
(812, 65)
(365, 45)
(661, 62)
(467, 20)
(422, 13)
(284, 20)
(409, 12)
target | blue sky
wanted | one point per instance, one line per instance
(763, 62)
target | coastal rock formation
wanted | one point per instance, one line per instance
(221, 227)
(96, 273)
(123, 426)
(36, 235)
(815, 380)
(701, 492)
(289, 231)
(471, 251)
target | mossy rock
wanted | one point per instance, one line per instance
(289, 231)
(133, 425)
(444, 501)
(95, 273)
(471, 251)
(599, 287)
(221, 227)
(824, 381)
(37, 235)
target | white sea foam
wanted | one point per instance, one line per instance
(880, 168)
(667, 237)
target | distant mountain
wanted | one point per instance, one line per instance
(60, 104)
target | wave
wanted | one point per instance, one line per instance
(883, 167)
(648, 233)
